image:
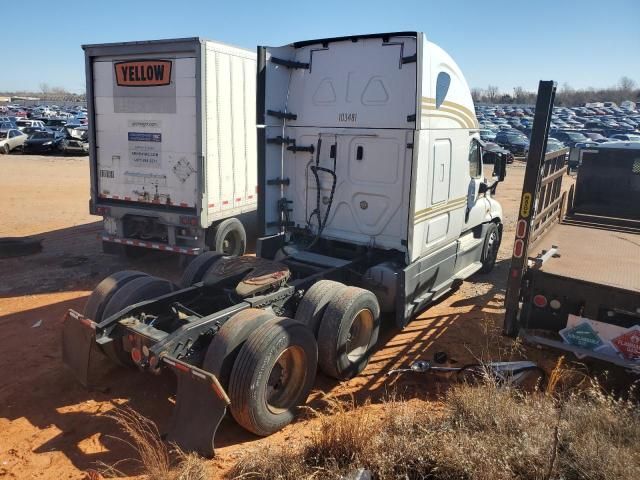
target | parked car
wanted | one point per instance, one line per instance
(492, 149)
(553, 145)
(29, 123)
(43, 142)
(514, 141)
(569, 138)
(625, 137)
(76, 140)
(11, 139)
(487, 135)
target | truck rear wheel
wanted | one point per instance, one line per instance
(197, 268)
(223, 349)
(135, 291)
(101, 295)
(348, 332)
(315, 301)
(490, 248)
(229, 238)
(272, 375)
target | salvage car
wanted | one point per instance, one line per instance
(75, 139)
(43, 142)
(11, 139)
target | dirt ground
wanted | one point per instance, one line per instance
(51, 427)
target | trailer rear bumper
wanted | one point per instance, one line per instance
(152, 245)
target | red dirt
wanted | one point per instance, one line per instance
(51, 427)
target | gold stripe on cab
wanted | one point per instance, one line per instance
(461, 111)
(431, 212)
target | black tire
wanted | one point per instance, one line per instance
(315, 301)
(97, 301)
(490, 248)
(6, 149)
(197, 268)
(353, 313)
(134, 291)
(223, 349)
(261, 401)
(228, 237)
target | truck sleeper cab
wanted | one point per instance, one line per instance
(172, 144)
(372, 202)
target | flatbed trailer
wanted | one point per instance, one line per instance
(574, 282)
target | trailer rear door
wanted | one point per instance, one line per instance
(146, 128)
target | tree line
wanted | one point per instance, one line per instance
(566, 96)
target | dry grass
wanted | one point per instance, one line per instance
(485, 432)
(156, 459)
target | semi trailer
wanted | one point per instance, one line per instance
(372, 204)
(574, 283)
(172, 144)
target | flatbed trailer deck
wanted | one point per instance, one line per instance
(591, 253)
(574, 281)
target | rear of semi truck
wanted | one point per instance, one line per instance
(172, 134)
(372, 200)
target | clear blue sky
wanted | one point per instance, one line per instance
(501, 42)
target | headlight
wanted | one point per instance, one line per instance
(47, 143)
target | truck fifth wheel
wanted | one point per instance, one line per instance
(372, 202)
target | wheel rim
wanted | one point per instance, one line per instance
(359, 335)
(286, 380)
(230, 243)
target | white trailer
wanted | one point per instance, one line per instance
(173, 151)
(372, 200)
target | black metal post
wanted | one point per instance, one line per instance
(526, 213)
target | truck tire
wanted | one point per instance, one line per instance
(135, 291)
(229, 238)
(223, 349)
(197, 268)
(490, 248)
(272, 375)
(348, 332)
(101, 295)
(315, 301)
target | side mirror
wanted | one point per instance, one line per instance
(500, 167)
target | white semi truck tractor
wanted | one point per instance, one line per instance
(372, 203)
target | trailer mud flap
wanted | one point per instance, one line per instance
(201, 404)
(78, 338)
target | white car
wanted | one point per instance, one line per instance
(10, 139)
(22, 123)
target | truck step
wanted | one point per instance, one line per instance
(467, 271)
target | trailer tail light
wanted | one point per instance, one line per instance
(555, 304)
(104, 211)
(189, 221)
(540, 301)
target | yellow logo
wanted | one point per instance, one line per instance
(525, 207)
